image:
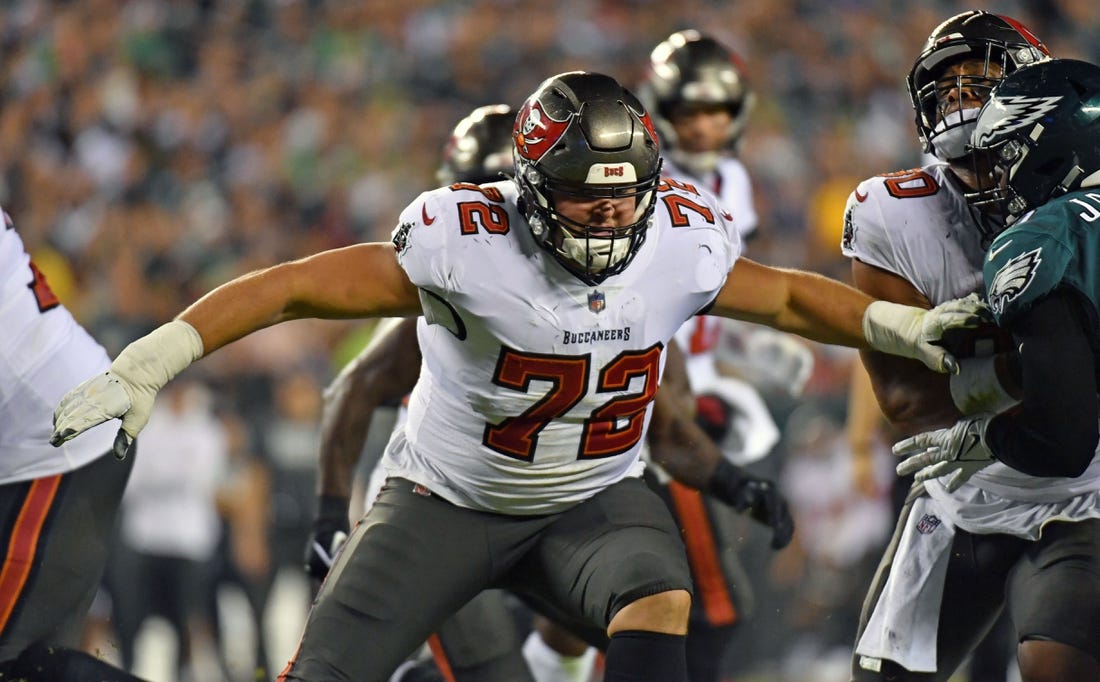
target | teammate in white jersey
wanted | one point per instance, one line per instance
(914, 238)
(547, 303)
(57, 506)
(696, 90)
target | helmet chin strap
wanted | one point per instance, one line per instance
(952, 134)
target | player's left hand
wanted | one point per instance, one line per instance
(957, 452)
(767, 505)
(914, 332)
(758, 496)
(127, 390)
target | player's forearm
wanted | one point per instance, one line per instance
(235, 309)
(684, 451)
(824, 310)
(803, 303)
(1053, 430)
(344, 428)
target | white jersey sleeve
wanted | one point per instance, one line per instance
(916, 225)
(730, 186)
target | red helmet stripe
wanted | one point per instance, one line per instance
(1026, 33)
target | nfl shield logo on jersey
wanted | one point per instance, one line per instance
(928, 523)
(596, 301)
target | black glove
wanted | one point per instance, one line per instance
(759, 496)
(330, 531)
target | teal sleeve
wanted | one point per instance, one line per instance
(1020, 268)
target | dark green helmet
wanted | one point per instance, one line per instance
(1041, 129)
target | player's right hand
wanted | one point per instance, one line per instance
(916, 333)
(103, 397)
(330, 532)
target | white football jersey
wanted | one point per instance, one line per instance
(43, 354)
(536, 389)
(917, 225)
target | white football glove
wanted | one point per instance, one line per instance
(912, 332)
(128, 388)
(957, 452)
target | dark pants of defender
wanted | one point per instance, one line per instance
(415, 559)
(57, 531)
(1051, 587)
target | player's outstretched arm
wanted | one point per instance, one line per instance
(358, 281)
(383, 373)
(830, 311)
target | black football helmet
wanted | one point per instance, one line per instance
(583, 134)
(943, 127)
(480, 148)
(691, 68)
(1041, 127)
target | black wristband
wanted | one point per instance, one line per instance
(725, 483)
(333, 508)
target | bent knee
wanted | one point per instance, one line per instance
(665, 612)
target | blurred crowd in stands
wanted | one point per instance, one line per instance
(152, 149)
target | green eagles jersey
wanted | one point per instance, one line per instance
(1056, 245)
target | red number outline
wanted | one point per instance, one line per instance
(895, 180)
(518, 436)
(601, 435)
(474, 214)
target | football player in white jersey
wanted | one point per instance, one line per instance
(547, 302)
(478, 152)
(914, 237)
(697, 93)
(57, 506)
